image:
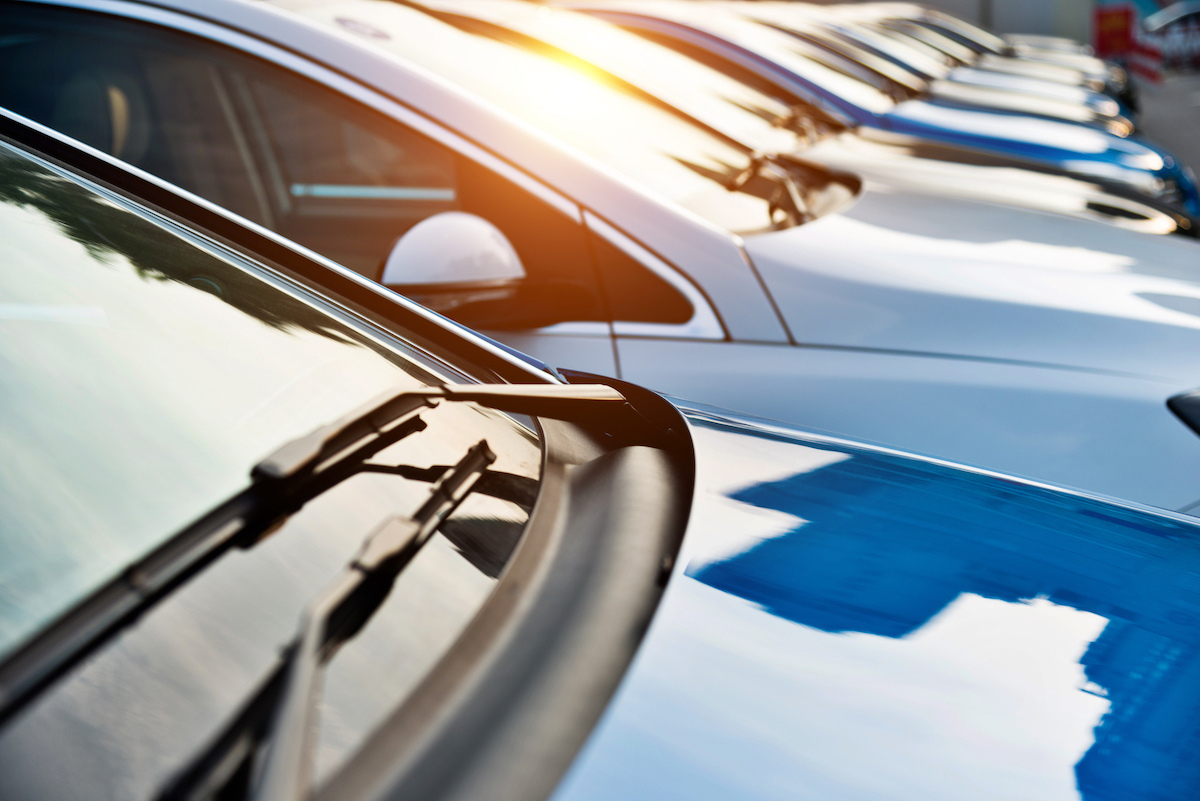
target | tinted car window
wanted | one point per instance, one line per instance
(280, 150)
(142, 374)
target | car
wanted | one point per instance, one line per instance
(1032, 344)
(274, 532)
(895, 56)
(837, 85)
(1012, 52)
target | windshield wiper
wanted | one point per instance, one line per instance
(798, 119)
(285, 709)
(787, 196)
(282, 484)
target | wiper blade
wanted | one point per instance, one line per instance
(284, 711)
(787, 196)
(798, 119)
(282, 484)
(510, 487)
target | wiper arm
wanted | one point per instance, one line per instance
(798, 120)
(787, 196)
(510, 487)
(283, 712)
(809, 121)
(310, 465)
(282, 484)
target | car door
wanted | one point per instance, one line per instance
(331, 173)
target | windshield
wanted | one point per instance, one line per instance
(640, 140)
(953, 25)
(730, 106)
(916, 55)
(144, 373)
(853, 58)
(809, 62)
(143, 376)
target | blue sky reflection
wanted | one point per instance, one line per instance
(869, 627)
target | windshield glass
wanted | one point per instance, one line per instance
(911, 30)
(143, 376)
(914, 54)
(854, 58)
(728, 105)
(658, 149)
(811, 63)
(978, 36)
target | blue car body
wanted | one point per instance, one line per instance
(1053, 145)
(851, 623)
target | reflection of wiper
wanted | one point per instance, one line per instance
(799, 119)
(285, 708)
(787, 196)
(282, 484)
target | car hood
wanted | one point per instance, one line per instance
(887, 160)
(852, 623)
(906, 271)
(986, 97)
(1067, 145)
(1019, 83)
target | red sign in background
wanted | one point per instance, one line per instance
(1113, 31)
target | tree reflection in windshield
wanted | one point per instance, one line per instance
(107, 230)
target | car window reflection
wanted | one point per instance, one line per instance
(107, 230)
(142, 376)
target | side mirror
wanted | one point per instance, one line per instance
(462, 266)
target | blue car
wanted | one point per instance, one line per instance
(838, 86)
(273, 532)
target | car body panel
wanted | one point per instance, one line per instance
(1023, 292)
(849, 624)
(1106, 432)
(885, 160)
(1078, 149)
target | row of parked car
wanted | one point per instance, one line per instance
(332, 471)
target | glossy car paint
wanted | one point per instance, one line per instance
(1068, 147)
(849, 623)
(1105, 429)
(884, 158)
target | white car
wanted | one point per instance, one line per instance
(1021, 341)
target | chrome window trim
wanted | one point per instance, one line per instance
(341, 84)
(705, 324)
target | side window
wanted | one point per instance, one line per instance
(296, 157)
(343, 181)
(166, 114)
(633, 293)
